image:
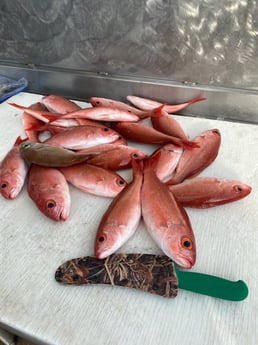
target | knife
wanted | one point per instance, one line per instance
(156, 274)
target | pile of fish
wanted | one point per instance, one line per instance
(88, 146)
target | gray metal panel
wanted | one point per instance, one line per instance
(222, 103)
(211, 42)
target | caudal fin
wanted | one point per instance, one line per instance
(19, 140)
(18, 106)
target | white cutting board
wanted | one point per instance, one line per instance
(33, 246)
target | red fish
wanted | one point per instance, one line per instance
(59, 104)
(194, 162)
(105, 102)
(165, 166)
(34, 127)
(13, 171)
(30, 123)
(148, 104)
(148, 135)
(78, 138)
(95, 180)
(119, 157)
(166, 220)
(122, 217)
(204, 192)
(101, 114)
(49, 190)
(38, 114)
(169, 125)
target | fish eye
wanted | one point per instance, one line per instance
(3, 185)
(51, 204)
(186, 243)
(120, 182)
(105, 129)
(216, 131)
(25, 145)
(237, 188)
(97, 102)
(135, 155)
(101, 239)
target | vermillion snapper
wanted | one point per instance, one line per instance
(13, 171)
(166, 220)
(81, 137)
(204, 192)
(94, 180)
(149, 104)
(194, 162)
(59, 104)
(49, 190)
(122, 218)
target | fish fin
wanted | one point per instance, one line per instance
(137, 166)
(158, 112)
(198, 99)
(18, 106)
(189, 144)
(37, 127)
(51, 117)
(19, 140)
(151, 161)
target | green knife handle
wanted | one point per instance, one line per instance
(212, 286)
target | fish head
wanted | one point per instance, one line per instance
(10, 186)
(120, 141)
(239, 190)
(55, 208)
(138, 154)
(26, 146)
(12, 180)
(109, 133)
(107, 241)
(118, 184)
(181, 249)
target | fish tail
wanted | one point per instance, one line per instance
(158, 112)
(137, 166)
(188, 144)
(151, 161)
(18, 106)
(37, 127)
(198, 99)
(19, 140)
(51, 117)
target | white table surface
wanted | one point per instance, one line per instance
(32, 247)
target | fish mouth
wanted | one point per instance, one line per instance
(10, 194)
(101, 254)
(185, 262)
(62, 215)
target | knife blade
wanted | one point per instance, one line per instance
(151, 273)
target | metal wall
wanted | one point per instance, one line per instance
(212, 42)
